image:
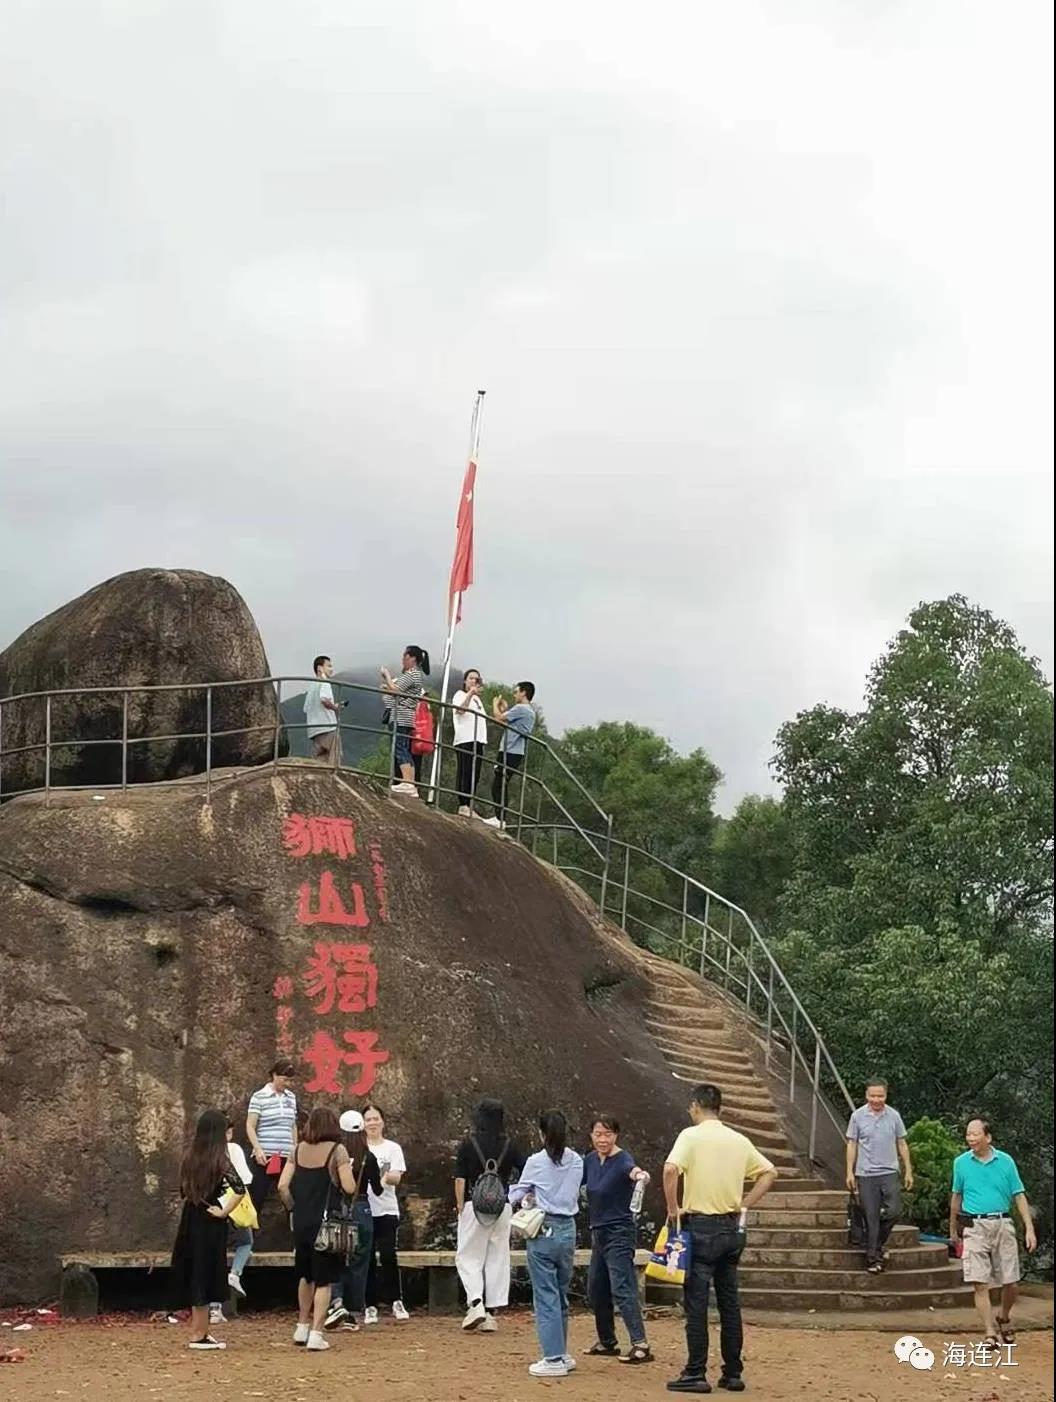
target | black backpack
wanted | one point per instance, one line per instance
(489, 1192)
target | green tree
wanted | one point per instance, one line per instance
(917, 922)
(752, 857)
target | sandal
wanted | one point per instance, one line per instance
(1005, 1329)
(990, 1343)
(639, 1353)
(600, 1350)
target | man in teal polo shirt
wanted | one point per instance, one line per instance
(986, 1183)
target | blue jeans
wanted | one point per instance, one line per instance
(550, 1267)
(352, 1290)
(613, 1281)
(242, 1241)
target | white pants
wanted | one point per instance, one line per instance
(482, 1257)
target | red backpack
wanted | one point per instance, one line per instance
(422, 741)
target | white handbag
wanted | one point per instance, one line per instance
(528, 1221)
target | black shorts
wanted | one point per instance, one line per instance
(317, 1267)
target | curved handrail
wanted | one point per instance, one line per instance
(603, 845)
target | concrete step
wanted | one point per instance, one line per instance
(717, 1062)
(768, 1142)
(890, 1281)
(737, 1098)
(814, 1238)
(729, 1082)
(711, 1046)
(823, 1200)
(838, 1258)
(759, 1216)
(833, 1300)
(750, 1120)
(684, 1015)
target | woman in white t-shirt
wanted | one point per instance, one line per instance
(471, 737)
(383, 1280)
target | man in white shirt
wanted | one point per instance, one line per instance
(320, 713)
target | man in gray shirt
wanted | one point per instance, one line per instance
(876, 1141)
(518, 722)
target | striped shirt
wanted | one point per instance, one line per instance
(276, 1119)
(410, 686)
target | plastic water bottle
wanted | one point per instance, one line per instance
(638, 1195)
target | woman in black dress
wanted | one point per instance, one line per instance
(318, 1172)
(210, 1189)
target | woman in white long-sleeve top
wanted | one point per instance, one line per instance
(552, 1179)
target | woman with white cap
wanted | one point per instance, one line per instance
(348, 1299)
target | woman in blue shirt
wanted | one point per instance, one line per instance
(552, 1178)
(610, 1175)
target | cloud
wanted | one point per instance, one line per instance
(760, 296)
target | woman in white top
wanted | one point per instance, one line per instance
(241, 1237)
(383, 1279)
(471, 737)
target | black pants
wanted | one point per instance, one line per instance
(880, 1196)
(505, 767)
(383, 1277)
(263, 1185)
(716, 1248)
(468, 759)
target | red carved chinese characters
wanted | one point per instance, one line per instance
(341, 974)
(327, 1060)
(330, 909)
(377, 867)
(319, 837)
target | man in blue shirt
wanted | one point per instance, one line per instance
(518, 722)
(609, 1176)
(986, 1183)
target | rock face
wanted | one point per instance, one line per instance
(156, 952)
(145, 628)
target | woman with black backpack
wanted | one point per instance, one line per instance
(486, 1162)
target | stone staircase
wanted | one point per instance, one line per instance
(797, 1256)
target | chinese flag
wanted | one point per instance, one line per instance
(462, 568)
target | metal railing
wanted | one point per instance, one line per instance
(546, 806)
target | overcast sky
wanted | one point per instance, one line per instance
(760, 294)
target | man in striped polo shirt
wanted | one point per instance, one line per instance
(271, 1128)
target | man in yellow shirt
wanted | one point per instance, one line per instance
(714, 1163)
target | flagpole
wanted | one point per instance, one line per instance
(456, 600)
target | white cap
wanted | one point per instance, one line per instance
(351, 1121)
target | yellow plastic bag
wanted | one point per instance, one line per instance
(243, 1214)
(670, 1259)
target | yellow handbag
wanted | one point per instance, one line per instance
(243, 1214)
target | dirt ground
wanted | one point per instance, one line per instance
(130, 1360)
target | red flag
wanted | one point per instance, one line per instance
(462, 568)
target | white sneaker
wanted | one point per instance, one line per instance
(569, 1362)
(316, 1343)
(490, 1325)
(217, 1316)
(549, 1368)
(492, 822)
(407, 790)
(398, 1311)
(475, 1316)
(300, 1334)
(465, 811)
(207, 1343)
(370, 1315)
(235, 1282)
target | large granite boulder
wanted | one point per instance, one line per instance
(145, 628)
(158, 951)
